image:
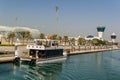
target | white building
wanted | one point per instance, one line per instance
(4, 30)
(100, 30)
(113, 37)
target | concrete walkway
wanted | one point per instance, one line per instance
(90, 51)
(6, 59)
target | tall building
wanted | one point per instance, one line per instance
(100, 30)
(113, 37)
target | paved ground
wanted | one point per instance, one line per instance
(6, 59)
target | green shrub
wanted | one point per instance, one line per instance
(6, 45)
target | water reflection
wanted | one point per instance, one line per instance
(94, 66)
(41, 71)
(5, 68)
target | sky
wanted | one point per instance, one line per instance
(75, 17)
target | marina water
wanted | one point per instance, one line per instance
(92, 66)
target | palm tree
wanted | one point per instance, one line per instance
(95, 42)
(72, 40)
(54, 36)
(109, 43)
(81, 41)
(42, 36)
(65, 39)
(25, 35)
(60, 39)
(11, 36)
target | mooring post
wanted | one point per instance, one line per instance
(16, 50)
(17, 58)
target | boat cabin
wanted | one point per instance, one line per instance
(45, 48)
(46, 42)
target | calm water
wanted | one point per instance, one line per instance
(93, 66)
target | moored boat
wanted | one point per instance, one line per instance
(44, 51)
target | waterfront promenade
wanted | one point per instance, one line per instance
(88, 49)
(7, 52)
(7, 59)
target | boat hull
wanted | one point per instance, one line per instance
(42, 61)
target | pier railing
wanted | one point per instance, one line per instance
(79, 49)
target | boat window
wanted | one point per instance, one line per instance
(41, 54)
(32, 53)
(38, 42)
(48, 43)
(54, 43)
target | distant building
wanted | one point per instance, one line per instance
(4, 30)
(113, 37)
(89, 37)
(100, 30)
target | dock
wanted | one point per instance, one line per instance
(7, 53)
(90, 51)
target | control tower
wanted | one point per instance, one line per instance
(113, 37)
(100, 30)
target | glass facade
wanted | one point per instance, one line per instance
(100, 29)
(46, 53)
(113, 37)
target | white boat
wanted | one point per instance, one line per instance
(44, 51)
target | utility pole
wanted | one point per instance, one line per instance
(57, 19)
